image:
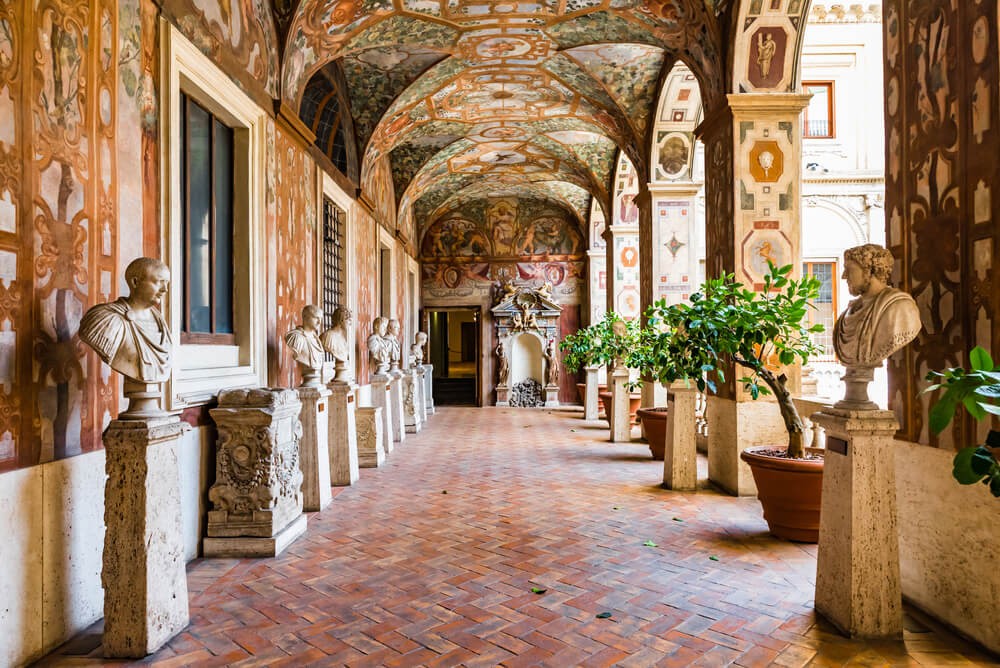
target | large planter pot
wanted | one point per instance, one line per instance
(654, 423)
(581, 388)
(633, 405)
(790, 490)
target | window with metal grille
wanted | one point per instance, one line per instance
(333, 260)
(206, 172)
(825, 305)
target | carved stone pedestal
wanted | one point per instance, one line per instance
(396, 392)
(422, 379)
(413, 410)
(382, 398)
(371, 453)
(551, 396)
(621, 428)
(145, 585)
(680, 455)
(590, 399)
(343, 433)
(257, 495)
(314, 449)
(429, 389)
(857, 565)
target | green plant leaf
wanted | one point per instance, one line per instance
(714, 558)
(538, 590)
(982, 461)
(942, 412)
(603, 615)
(677, 519)
(962, 469)
(649, 543)
(980, 360)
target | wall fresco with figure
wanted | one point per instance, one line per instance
(291, 231)
(238, 35)
(942, 139)
(364, 232)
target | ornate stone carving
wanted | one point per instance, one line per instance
(258, 482)
(306, 347)
(379, 350)
(527, 393)
(875, 325)
(131, 336)
(337, 342)
(526, 311)
(371, 454)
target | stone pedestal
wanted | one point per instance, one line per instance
(503, 395)
(413, 410)
(733, 427)
(621, 427)
(680, 454)
(857, 565)
(422, 379)
(343, 433)
(551, 396)
(145, 585)
(257, 495)
(382, 398)
(314, 448)
(429, 388)
(371, 437)
(396, 392)
(591, 402)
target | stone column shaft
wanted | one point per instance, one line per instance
(343, 434)
(621, 429)
(857, 565)
(591, 401)
(429, 388)
(145, 584)
(680, 456)
(314, 449)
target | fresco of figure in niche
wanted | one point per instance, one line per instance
(501, 219)
(456, 237)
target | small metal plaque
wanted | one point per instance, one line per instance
(838, 445)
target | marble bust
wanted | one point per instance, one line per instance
(131, 336)
(306, 347)
(337, 342)
(379, 352)
(394, 345)
(875, 325)
(417, 349)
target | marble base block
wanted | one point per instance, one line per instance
(396, 392)
(251, 547)
(680, 454)
(621, 428)
(145, 584)
(591, 400)
(422, 379)
(343, 434)
(413, 410)
(857, 563)
(429, 388)
(257, 493)
(382, 398)
(314, 448)
(551, 396)
(371, 451)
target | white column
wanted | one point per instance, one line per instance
(398, 432)
(621, 428)
(591, 402)
(429, 388)
(381, 398)
(343, 433)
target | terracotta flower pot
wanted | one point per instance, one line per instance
(633, 405)
(581, 388)
(790, 491)
(654, 422)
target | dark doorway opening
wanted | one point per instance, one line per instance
(453, 343)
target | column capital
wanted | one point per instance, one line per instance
(741, 105)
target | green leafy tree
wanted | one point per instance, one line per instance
(760, 331)
(600, 344)
(978, 391)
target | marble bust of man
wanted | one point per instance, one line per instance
(417, 349)
(337, 342)
(392, 341)
(875, 325)
(378, 347)
(305, 345)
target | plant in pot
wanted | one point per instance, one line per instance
(617, 338)
(580, 350)
(763, 332)
(978, 391)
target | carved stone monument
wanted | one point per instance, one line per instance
(257, 495)
(143, 575)
(857, 566)
(306, 347)
(371, 453)
(337, 342)
(527, 319)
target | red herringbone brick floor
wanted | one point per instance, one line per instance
(431, 561)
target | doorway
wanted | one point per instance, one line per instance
(454, 348)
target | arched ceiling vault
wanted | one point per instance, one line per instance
(466, 99)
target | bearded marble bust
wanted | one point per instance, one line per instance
(379, 349)
(306, 347)
(337, 342)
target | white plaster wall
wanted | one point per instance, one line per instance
(52, 526)
(948, 543)
(525, 358)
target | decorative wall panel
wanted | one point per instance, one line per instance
(365, 235)
(941, 176)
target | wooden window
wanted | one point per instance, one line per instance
(819, 114)
(826, 303)
(333, 261)
(206, 171)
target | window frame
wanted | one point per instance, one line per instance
(830, 108)
(201, 370)
(807, 267)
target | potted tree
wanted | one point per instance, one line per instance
(601, 344)
(580, 350)
(762, 332)
(978, 391)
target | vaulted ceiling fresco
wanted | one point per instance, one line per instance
(478, 99)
